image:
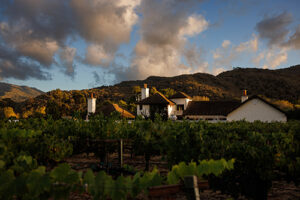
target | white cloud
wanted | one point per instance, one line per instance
(195, 24)
(217, 71)
(251, 45)
(256, 60)
(224, 56)
(67, 58)
(96, 55)
(225, 44)
(275, 57)
(164, 28)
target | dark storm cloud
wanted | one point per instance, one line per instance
(40, 29)
(274, 29)
(294, 40)
(12, 66)
(35, 30)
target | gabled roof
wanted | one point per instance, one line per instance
(157, 98)
(108, 109)
(219, 107)
(180, 95)
(211, 107)
(263, 100)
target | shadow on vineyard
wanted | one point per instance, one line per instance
(240, 159)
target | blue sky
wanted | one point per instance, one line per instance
(80, 44)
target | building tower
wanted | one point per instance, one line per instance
(145, 92)
(91, 104)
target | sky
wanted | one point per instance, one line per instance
(81, 44)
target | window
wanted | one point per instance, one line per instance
(180, 107)
(141, 107)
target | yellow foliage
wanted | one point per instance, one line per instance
(41, 110)
(200, 98)
(9, 112)
(284, 105)
(27, 113)
(136, 89)
(122, 103)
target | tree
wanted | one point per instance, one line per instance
(136, 89)
(53, 109)
(9, 112)
(200, 98)
(168, 92)
(27, 113)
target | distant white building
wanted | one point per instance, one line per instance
(91, 104)
(250, 109)
(257, 109)
(181, 105)
(157, 103)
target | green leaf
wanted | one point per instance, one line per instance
(89, 179)
(136, 185)
(64, 174)
(6, 187)
(103, 185)
(119, 189)
(37, 184)
(2, 164)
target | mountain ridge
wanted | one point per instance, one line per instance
(18, 93)
(281, 85)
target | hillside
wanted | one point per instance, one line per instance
(282, 86)
(17, 93)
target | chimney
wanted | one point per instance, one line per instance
(91, 104)
(244, 96)
(145, 92)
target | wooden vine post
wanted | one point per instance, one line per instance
(191, 188)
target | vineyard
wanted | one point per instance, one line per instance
(238, 158)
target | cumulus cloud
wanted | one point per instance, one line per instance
(106, 24)
(40, 30)
(226, 44)
(164, 29)
(275, 58)
(12, 66)
(96, 55)
(66, 56)
(294, 40)
(274, 29)
(227, 53)
(257, 59)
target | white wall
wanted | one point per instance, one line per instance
(145, 111)
(91, 105)
(182, 101)
(256, 109)
(171, 110)
(144, 93)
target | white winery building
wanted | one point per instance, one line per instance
(181, 105)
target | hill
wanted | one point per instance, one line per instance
(281, 86)
(18, 93)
